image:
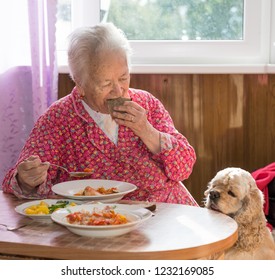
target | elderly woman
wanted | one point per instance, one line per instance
(136, 143)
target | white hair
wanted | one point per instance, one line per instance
(85, 45)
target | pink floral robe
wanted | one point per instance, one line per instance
(66, 135)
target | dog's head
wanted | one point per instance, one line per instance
(234, 191)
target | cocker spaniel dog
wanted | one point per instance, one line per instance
(233, 191)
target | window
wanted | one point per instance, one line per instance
(180, 34)
(176, 20)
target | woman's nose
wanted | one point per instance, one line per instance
(117, 89)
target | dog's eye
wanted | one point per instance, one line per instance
(231, 193)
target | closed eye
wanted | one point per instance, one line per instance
(107, 85)
(231, 193)
(123, 79)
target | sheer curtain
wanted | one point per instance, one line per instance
(28, 71)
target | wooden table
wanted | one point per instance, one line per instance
(175, 232)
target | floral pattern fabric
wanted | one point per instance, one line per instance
(67, 135)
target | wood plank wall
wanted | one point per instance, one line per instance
(228, 118)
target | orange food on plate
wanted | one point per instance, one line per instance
(106, 216)
(90, 191)
(102, 190)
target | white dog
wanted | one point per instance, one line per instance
(233, 191)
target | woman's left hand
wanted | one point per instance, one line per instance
(134, 116)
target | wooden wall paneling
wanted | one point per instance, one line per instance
(198, 100)
(215, 133)
(65, 85)
(235, 134)
(255, 114)
(260, 118)
(230, 129)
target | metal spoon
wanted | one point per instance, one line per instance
(78, 174)
(12, 228)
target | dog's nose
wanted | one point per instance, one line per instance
(214, 195)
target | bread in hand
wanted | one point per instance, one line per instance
(111, 103)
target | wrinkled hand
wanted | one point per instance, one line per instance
(135, 117)
(32, 172)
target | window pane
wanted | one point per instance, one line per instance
(63, 25)
(176, 19)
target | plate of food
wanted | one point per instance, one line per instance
(101, 220)
(96, 190)
(42, 209)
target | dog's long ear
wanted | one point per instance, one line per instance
(252, 205)
(256, 196)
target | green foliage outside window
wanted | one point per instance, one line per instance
(177, 19)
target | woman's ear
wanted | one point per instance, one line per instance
(80, 90)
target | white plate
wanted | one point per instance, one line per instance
(40, 217)
(70, 188)
(133, 213)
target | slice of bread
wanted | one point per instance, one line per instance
(111, 103)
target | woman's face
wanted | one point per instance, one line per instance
(111, 80)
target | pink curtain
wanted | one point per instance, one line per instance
(28, 71)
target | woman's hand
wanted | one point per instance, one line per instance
(135, 117)
(31, 172)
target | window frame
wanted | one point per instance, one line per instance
(254, 54)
